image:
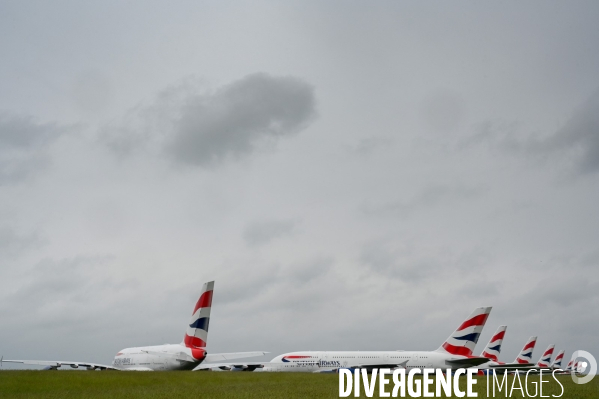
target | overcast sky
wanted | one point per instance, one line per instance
(353, 175)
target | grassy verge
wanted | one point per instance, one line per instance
(112, 384)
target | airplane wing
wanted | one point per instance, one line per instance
(206, 365)
(229, 366)
(467, 362)
(223, 357)
(54, 365)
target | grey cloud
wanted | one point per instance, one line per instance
(207, 129)
(576, 142)
(399, 263)
(443, 111)
(308, 272)
(13, 244)
(428, 197)
(579, 137)
(262, 232)
(368, 145)
(498, 134)
(67, 277)
(24, 146)
(55, 291)
(430, 266)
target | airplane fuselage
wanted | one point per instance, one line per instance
(330, 361)
(153, 358)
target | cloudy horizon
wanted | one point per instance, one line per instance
(352, 177)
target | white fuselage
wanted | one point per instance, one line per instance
(311, 361)
(154, 358)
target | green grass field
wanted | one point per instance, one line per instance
(112, 384)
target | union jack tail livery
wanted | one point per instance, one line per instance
(493, 348)
(464, 339)
(569, 367)
(545, 360)
(557, 363)
(197, 331)
(525, 355)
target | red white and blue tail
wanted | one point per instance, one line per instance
(464, 339)
(493, 348)
(545, 360)
(196, 335)
(571, 363)
(525, 355)
(557, 363)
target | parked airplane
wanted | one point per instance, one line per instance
(543, 363)
(523, 360)
(557, 363)
(492, 350)
(184, 356)
(570, 363)
(545, 360)
(455, 352)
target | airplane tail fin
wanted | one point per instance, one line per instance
(464, 339)
(525, 355)
(545, 360)
(570, 363)
(557, 363)
(493, 348)
(196, 335)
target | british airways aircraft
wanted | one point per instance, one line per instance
(184, 356)
(545, 360)
(525, 356)
(493, 348)
(455, 352)
(557, 363)
(523, 360)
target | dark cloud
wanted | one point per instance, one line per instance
(206, 129)
(24, 146)
(398, 75)
(262, 232)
